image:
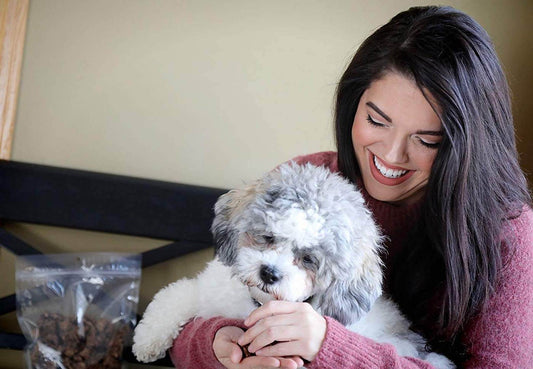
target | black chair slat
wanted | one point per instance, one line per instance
(105, 202)
(8, 304)
(13, 341)
(15, 244)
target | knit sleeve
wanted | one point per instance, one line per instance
(327, 159)
(193, 348)
(502, 336)
(348, 350)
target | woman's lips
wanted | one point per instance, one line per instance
(394, 171)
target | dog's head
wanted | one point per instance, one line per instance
(302, 233)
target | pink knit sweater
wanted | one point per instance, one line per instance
(501, 337)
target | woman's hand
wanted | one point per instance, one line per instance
(295, 328)
(229, 353)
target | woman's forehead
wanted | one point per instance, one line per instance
(398, 99)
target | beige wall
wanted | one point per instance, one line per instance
(203, 92)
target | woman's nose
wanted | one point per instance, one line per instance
(396, 150)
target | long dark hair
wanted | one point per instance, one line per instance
(454, 255)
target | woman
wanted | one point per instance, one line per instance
(424, 127)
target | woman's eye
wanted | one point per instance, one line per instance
(431, 145)
(373, 122)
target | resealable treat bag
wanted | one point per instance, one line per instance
(77, 310)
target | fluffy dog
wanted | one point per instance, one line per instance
(300, 233)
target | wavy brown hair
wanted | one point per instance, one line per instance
(475, 183)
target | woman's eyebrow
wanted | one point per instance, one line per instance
(379, 111)
(388, 119)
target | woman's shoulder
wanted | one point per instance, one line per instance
(327, 159)
(501, 332)
(519, 226)
(517, 240)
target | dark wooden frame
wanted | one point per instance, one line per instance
(86, 200)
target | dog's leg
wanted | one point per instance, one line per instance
(171, 308)
(439, 361)
(221, 294)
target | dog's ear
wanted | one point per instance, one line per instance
(357, 271)
(348, 300)
(224, 234)
(224, 228)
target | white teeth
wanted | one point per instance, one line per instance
(386, 172)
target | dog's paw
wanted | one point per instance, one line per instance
(148, 346)
(439, 361)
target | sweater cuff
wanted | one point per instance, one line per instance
(193, 348)
(342, 348)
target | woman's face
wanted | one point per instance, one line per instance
(396, 135)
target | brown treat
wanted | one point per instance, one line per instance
(245, 352)
(91, 344)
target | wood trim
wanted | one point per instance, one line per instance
(13, 17)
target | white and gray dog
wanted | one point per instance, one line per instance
(300, 233)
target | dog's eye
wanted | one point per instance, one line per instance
(264, 239)
(309, 260)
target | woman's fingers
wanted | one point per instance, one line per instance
(271, 308)
(254, 362)
(282, 349)
(230, 355)
(281, 328)
(273, 336)
(266, 327)
(293, 362)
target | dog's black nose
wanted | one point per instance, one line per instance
(269, 275)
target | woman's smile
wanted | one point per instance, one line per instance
(386, 174)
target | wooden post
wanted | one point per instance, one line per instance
(13, 16)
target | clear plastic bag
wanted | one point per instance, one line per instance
(77, 310)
